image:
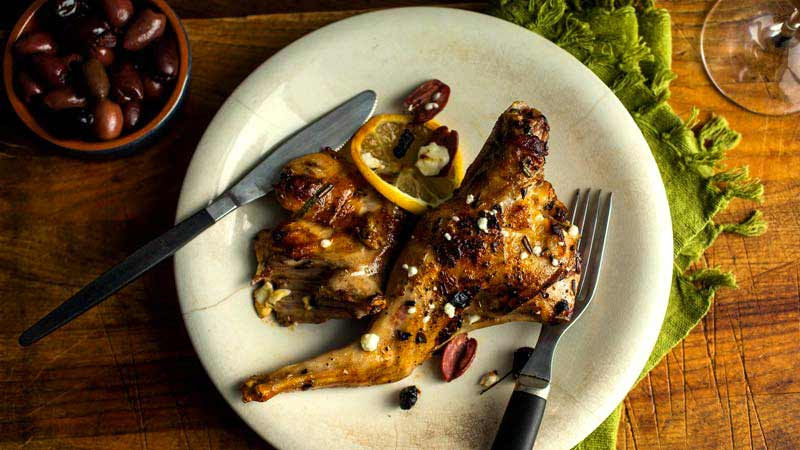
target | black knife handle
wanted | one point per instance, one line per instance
(521, 421)
(118, 276)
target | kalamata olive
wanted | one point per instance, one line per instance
(89, 30)
(28, 87)
(148, 27)
(457, 356)
(107, 120)
(51, 69)
(126, 84)
(64, 98)
(84, 119)
(103, 54)
(73, 59)
(166, 57)
(118, 11)
(107, 39)
(153, 89)
(409, 396)
(94, 73)
(64, 8)
(130, 115)
(40, 42)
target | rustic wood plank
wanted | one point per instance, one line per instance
(126, 376)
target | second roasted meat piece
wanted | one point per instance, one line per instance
(329, 260)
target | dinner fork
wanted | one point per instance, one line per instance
(591, 211)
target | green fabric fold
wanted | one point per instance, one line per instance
(628, 45)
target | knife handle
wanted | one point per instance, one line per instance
(521, 421)
(118, 276)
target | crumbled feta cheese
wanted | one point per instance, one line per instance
(432, 158)
(539, 217)
(431, 305)
(372, 162)
(524, 255)
(483, 224)
(410, 108)
(537, 250)
(470, 199)
(404, 266)
(412, 310)
(426, 319)
(325, 243)
(449, 310)
(504, 233)
(369, 342)
(456, 219)
(474, 318)
(488, 379)
(554, 262)
(448, 236)
(430, 106)
(573, 231)
(434, 290)
(412, 270)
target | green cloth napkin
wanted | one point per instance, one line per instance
(628, 45)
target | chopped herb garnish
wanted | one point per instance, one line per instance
(315, 198)
(527, 244)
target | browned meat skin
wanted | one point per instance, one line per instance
(329, 201)
(484, 269)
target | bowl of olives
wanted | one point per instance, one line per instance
(97, 76)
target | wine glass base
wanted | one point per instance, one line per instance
(747, 58)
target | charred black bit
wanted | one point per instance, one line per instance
(459, 322)
(494, 245)
(304, 371)
(420, 338)
(409, 397)
(524, 192)
(278, 236)
(578, 264)
(410, 303)
(521, 357)
(549, 205)
(545, 294)
(321, 192)
(498, 207)
(403, 335)
(561, 307)
(560, 215)
(461, 299)
(406, 138)
(307, 385)
(527, 244)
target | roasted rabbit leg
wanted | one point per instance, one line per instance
(329, 260)
(501, 249)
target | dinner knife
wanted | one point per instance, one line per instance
(333, 130)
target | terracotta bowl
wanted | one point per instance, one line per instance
(126, 142)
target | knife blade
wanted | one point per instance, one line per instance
(333, 130)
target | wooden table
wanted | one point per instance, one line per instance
(125, 376)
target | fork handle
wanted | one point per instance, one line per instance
(522, 418)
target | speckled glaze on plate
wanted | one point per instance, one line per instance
(488, 63)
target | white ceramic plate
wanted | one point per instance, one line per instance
(488, 63)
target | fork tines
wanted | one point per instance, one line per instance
(591, 211)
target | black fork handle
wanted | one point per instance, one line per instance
(521, 421)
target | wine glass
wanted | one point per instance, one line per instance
(751, 52)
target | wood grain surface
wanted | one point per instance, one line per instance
(125, 376)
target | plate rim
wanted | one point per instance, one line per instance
(183, 209)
